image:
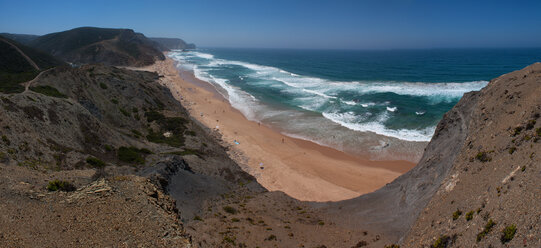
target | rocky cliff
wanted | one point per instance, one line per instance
(491, 196)
(481, 167)
(167, 44)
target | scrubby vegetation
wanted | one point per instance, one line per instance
(132, 155)
(530, 124)
(56, 185)
(48, 91)
(469, 215)
(6, 140)
(230, 210)
(488, 227)
(11, 82)
(124, 112)
(457, 214)
(171, 129)
(271, 237)
(483, 157)
(517, 131)
(441, 242)
(508, 233)
(15, 69)
(512, 150)
(95, 162)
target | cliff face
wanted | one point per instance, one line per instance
(492, 188)
(167, 44)
(483, 157)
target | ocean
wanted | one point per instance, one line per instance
(381, 104)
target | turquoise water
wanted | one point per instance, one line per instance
(353, 100)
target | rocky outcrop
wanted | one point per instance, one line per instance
(167, 44)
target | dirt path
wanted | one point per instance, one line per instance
(29, 83)
(30, 61)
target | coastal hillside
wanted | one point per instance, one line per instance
(103, 141)
(99, 45)
(24, 39)
(476, 182)
(98, 137)
(167, 44)
(490, 196)
(19, 63)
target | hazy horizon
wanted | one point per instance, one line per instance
(346, 25)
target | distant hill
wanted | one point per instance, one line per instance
(109, 46)
(19, 63)
(167, 44)
(24, 39)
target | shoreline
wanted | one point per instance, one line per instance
(300, 168)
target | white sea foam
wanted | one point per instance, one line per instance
(203, 55)
(420, 112)
(366, 105)
(314, 94)
(392, 109)
(377, 127)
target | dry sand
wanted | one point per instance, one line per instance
(302, 169)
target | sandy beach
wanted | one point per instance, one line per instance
(301, 169)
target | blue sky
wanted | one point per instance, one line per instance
(383, 24)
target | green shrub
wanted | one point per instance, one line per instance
(230, 210)
(115, 101)
(198, 218)
(530, 124)
(392, 246)
(441, 242)
(11, 82)
(469, 215)
(48, 91)
(137, 133)
(483, 157)
(457, 214)
(488, 227)
(271, 237)
(229, 239)
(130, 155)
(538, 131)
(103, 86)
(108, 148)
(321, 223)
(124, 112)
(60, 185)
(154, 115)
(6, 140)
(508, 233)
(512, 150)
(517, 131)
(95, 162)
(235, 220)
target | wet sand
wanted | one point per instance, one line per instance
(300, 168)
